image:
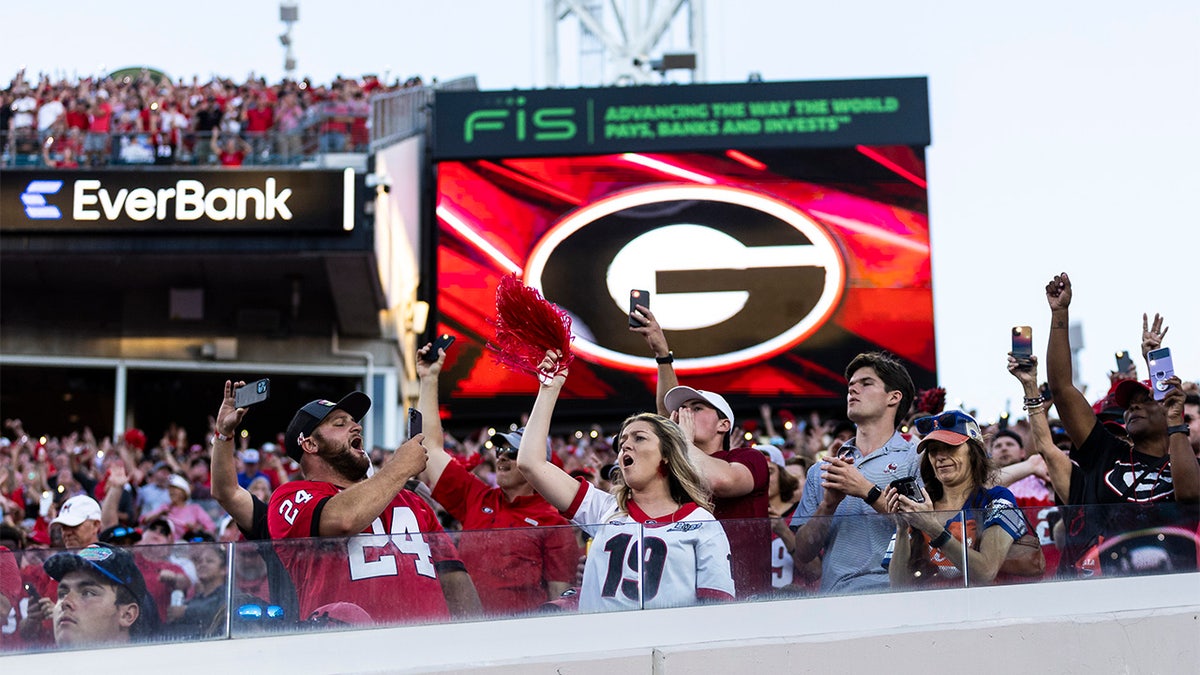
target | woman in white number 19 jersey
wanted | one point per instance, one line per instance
(655, 541)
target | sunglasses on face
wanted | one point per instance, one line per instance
(955, 421)
(506, 451)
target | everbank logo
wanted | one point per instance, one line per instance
(188, 200)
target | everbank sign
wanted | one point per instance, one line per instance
(178, 200)
(188, 200)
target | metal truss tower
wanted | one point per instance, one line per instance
(626, 42)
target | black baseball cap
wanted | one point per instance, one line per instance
(313, 413)
(115, 565)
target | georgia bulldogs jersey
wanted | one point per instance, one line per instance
(635, 561)
(390, 570)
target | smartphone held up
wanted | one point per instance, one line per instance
(1162, 368)
(442, 342)
(1022, 344)
(253, 393)
(637, 297)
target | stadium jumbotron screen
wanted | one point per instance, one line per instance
(768, 267)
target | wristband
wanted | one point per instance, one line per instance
(940, 540)
(872, 495)
(669, 358)
(1178, 429)
(222, 437)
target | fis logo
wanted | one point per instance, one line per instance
(35, 201)
(548, 124)
(735, 276)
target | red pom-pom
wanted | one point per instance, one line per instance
(135, 438)
(527, 326)
(931, 401)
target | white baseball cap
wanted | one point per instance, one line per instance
(177, 481)
(675, 399)
(76, 510)
(773, 454)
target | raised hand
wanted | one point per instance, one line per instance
(1025, 372)
(1058, 292)
(1152, 334)
(229, 416)
(425, 368)
(547, 375)
(650, 330)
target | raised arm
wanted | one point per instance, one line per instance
(657, 341)
(114, 488)
(554, 484)
(235, 499)
(1073, 408)
(1185, 470)
(1058, 465)
(728, 479)
(427, 403)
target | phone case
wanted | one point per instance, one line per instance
(1162, 368)
(255, 392)
(414, 422)
(443, 341)
(1022, 342)
(637, 297)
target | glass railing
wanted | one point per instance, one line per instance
(206, 591)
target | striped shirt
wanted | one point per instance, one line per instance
(858, 535)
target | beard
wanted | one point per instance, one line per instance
(346, 461)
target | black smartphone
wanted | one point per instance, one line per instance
(32, 593)
(1022, 343)
(637, 297)
(1162, 368)
(255, 392)
(443, 341)
(414, 422)
(907, 486)
(1124, 362)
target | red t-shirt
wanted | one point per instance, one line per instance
(234, 158)
(259, 119)
(510, 567)
(390, 570)
(77, 119)
(10, 587)
(750, 535)
(101, 119)
(161, 592)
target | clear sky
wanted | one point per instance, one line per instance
(1065, 135)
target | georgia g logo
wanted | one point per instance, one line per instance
(735, 276)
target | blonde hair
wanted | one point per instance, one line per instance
(684, 480)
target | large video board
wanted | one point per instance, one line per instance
(768, 267)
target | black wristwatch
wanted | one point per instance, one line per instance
(940, 540)
(1178, 429)
(872, 495)
(669, 358)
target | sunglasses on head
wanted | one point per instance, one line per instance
(254, 612)
(955, 421)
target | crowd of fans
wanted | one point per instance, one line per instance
(1105, 487)
(149, 119)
